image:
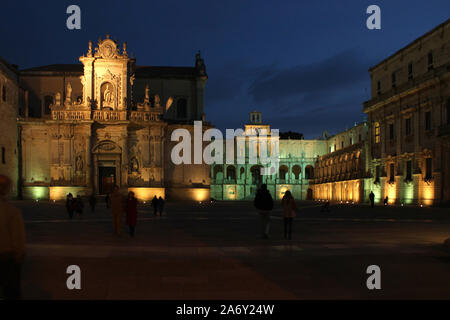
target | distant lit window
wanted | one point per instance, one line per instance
(408, 126)
(430, 60)
(428, 168)
(377, 132)
(428, 120)
(410, 71)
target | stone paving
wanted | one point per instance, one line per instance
(214, 251)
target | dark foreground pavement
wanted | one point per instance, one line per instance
(214, 251)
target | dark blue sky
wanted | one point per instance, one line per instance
(302, 63)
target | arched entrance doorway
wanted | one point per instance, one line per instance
(107, 162)
(309, 194)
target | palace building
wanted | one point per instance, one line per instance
(409, 119)
(84, 128)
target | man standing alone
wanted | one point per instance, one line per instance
(264, 203)
(117, 210)
(372, 198)
(12, 243)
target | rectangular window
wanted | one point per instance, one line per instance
(391, 131)
(4, 93)
(377, 133)
(359, 137)
(334, 147)
(391, 172)
(430, 60)
(394, 80)
(428, 168)
(428, 120)
(379, 87)
(377, 173)
(3, 155)
(410, 71)
(330, 149)
(351, 140)
(409, 170)
(448, 111)
(342, 144)
(408, 126)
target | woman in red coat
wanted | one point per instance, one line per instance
(131, 210)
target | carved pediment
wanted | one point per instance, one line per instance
(107, 147)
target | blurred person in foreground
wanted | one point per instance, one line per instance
(12, 244)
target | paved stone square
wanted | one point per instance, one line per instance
(214, 251)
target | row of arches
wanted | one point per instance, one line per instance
(231, 173)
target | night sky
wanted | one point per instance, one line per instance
(304, 64)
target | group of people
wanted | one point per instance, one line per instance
(263, 202)
(116, 203)
(74, 205)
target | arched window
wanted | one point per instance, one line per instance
(377, 132)
(296, 170)
(182, 108)
(309, 172)
(282, 172)
(48, 101)
(218, 172)
(231, 173)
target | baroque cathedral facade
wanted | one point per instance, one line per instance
(86, 127)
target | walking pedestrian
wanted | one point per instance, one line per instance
(108, 201)
(372, 198)
(79, 205)
(131, 210)
(264, 203)
(289, 207)
(160, 206)
(116, 210)
(12, 244)
(92, 202)
(155, 205)
(70, 205)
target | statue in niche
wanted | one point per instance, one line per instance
(79, 164)
(157, 100)
(134, 165)
(68, 93)
(108, 97)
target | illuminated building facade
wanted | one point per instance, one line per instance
(107, 121)
(9, 90)
(295, 171)
(409, 119)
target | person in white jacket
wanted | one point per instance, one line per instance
(12, 244)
